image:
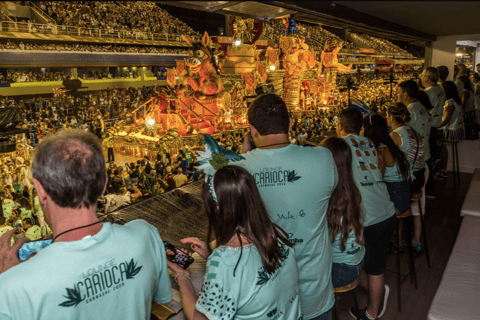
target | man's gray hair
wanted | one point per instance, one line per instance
(71, 168)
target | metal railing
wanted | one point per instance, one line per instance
(6, 15)
(41, 12)
(89, 32)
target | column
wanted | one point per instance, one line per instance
(443, 53)
(74, 73)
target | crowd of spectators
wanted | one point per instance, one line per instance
(31, 76)
(9, 45)
(315, 36)
(130, 18)
(381, 45)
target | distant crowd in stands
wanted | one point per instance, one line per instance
(9, 45)
(133, 18)
(30, 76)
(315, 36)
(382, 45)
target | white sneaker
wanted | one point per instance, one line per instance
(385, 300)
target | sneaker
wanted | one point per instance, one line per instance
(385, 300)
(445, 173)
(398, 249)
(417, 249)
(438, 176)
(359, 314)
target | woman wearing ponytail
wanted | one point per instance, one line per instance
(411, 143)
(394, 165)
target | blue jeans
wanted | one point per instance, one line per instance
(324, 316)
(343, 274)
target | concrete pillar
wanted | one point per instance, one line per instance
(443, 53)
(74, 73)
(142, 74)
(428, 54)
(228, 19)
(477, 57)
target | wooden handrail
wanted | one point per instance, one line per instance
(142, 106)
(194, 113)
(204, 106)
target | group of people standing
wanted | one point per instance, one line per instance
(290, 223)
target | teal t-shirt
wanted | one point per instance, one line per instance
(33, 233)
(7, 207)
(437, 99)
(5, 229)
(24, 213)
(46, 230)
(376, 203)
(189, 156)
(114, 274)
(251, 293)
(353, 253)
(455, 129)
(421, 122)
(36, 202)
(296, 184)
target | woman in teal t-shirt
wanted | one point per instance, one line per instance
(344, 216)
(252, 274)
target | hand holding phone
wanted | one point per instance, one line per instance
(177, 256)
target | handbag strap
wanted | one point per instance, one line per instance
(418, 146)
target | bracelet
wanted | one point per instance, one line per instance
(182, 276)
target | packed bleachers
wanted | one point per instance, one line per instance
(9, 45)
(135, 19)
(381, 45)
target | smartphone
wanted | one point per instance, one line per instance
(32, 247)
(177, 256)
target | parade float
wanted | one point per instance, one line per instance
(209, 92)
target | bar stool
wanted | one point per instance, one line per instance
(456, 167)
(417, 196)
(348, 287)
(412, 273)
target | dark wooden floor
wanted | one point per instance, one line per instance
(442, 222)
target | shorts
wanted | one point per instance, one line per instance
(377, 241)
(343, 274)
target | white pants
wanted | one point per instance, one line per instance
(414, 206)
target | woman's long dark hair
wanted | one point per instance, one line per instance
(451, 92)
(344, 212)
(466, 83)
(378, 133)
(424, 99)
(242, 211)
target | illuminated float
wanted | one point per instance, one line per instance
(210, 91)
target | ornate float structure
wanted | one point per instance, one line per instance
(210, 92)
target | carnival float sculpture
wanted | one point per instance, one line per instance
(209, 92)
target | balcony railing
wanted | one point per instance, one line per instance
(88, 31)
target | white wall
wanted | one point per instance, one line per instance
(468, 156)
(443, 53)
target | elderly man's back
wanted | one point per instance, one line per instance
(111, 275)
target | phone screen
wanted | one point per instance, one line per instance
(176, 256)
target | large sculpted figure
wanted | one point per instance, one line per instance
(204, 77)
(329, 58)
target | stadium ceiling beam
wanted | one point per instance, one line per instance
(338, 16)
(223, 6)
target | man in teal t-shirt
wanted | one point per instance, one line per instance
(295, 184)
(378, 211)
(92, 270)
